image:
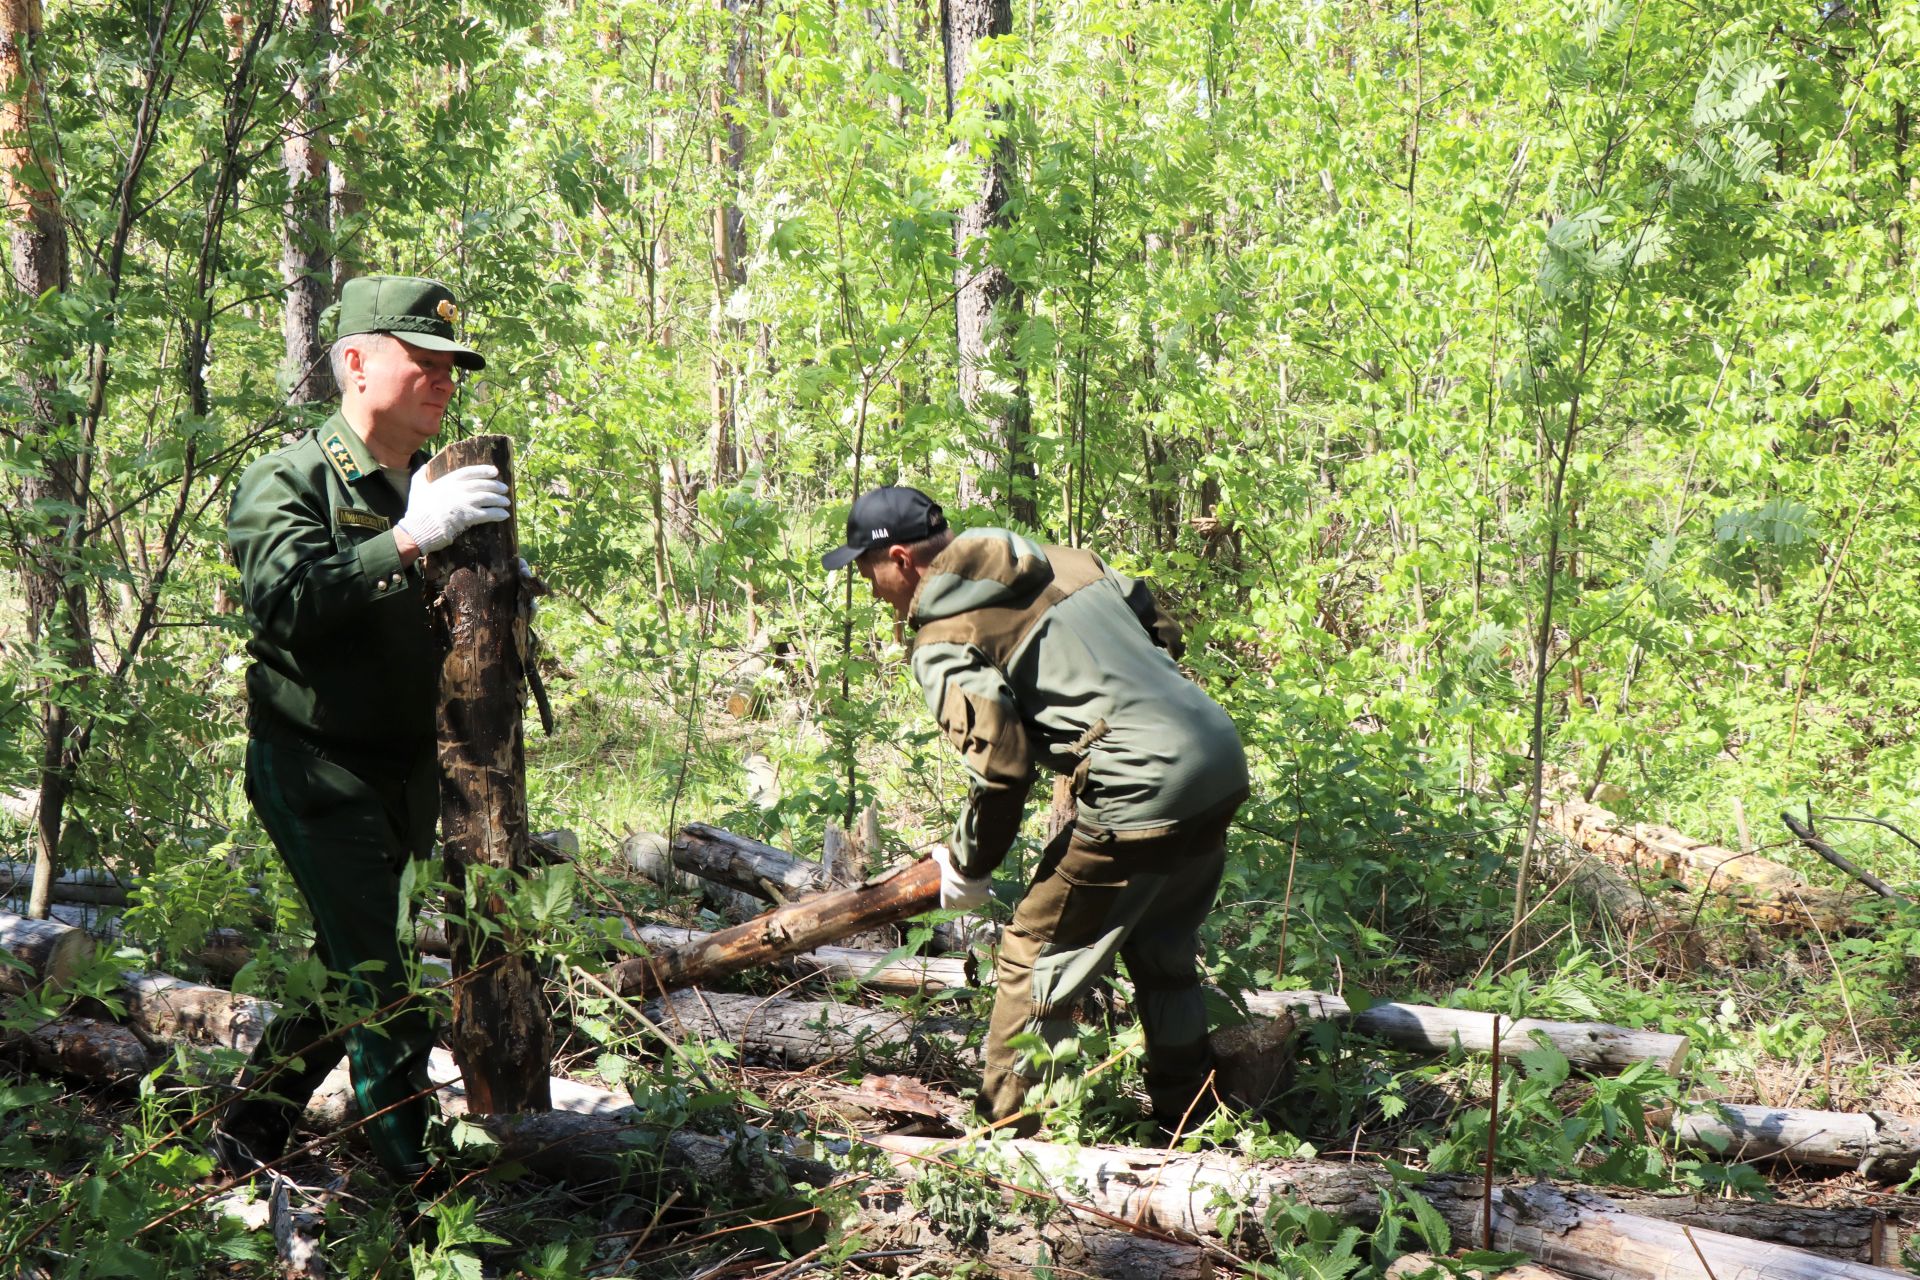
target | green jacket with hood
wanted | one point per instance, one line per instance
(1041, 655)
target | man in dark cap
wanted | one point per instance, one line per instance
(327, 535)
(1034, 655)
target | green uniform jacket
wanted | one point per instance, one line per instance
(1032, 655)
(343, 658)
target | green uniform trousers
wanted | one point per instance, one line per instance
(1090, 900)
(346, 834)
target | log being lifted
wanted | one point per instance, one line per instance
(500, 1029)
(737, 864)
(1593, 1046)
(906, 975)
(801, 926)
(1574, 1230)
(49, 954)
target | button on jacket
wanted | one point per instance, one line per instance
(342, 653)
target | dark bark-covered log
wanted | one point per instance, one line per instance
(650, 854)
(500, 1029)
(164, 1008)
(86, 1049)
(801, 926)
(801, 1033)
(49, 954)
(1882, 1146)
(1594, 1046)
(1575, 1230)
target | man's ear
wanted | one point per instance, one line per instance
(902, 557)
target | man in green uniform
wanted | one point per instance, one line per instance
(1042, 655)
(328, 534)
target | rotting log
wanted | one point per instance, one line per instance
(801, 926)
(48, 953)
(164, 1008)
(801, 1033)
(650, 854)
(1575, 1230)
(500, 1028)
(1880, 1145)
(1757, 887)
(1593, 1046)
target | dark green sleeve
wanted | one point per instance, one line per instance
(297, 585)
(1164, 630)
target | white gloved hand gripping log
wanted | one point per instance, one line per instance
(959, 892)
(438, 511)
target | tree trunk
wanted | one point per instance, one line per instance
(905, 975)
(83, 884)
(306, 263)
(500, 1031)
(1575, 1230)
(84, 1048)
(1595, 1046)
(52, 953)
(988, 305)
(57, 608)
(729, 246)
(801, 926)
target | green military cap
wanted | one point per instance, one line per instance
(417, 311)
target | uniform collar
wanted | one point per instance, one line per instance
(348, 454)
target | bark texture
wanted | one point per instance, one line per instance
(500, 1030)
(1882, 1146)
(803, 1033)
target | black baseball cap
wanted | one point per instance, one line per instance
(886, 517)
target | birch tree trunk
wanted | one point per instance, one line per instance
(306, 262)
(988, 305)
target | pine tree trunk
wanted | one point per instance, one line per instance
(501, 1031)
(988, 306)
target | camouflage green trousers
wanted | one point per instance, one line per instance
(1141, 900)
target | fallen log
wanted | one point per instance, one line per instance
(162, 1007)
(1014, 1247)
(650, 854)
(1594, 1046)
(1756, 887)
(1880, 1145)
(48, 954)
(1210, 1195)
(83, 884)
(801, 926)
(800, 1033)
(89, 1049)
(745, 864)
(907, 975)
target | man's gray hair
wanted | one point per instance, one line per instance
(337, 353)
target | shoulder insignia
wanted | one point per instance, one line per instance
(350, 518)
(341, 457)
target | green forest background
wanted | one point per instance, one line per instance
(1478, 382)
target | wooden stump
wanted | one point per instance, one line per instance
(501, 1032)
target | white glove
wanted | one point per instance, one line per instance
(957, 892)
(438, 511)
